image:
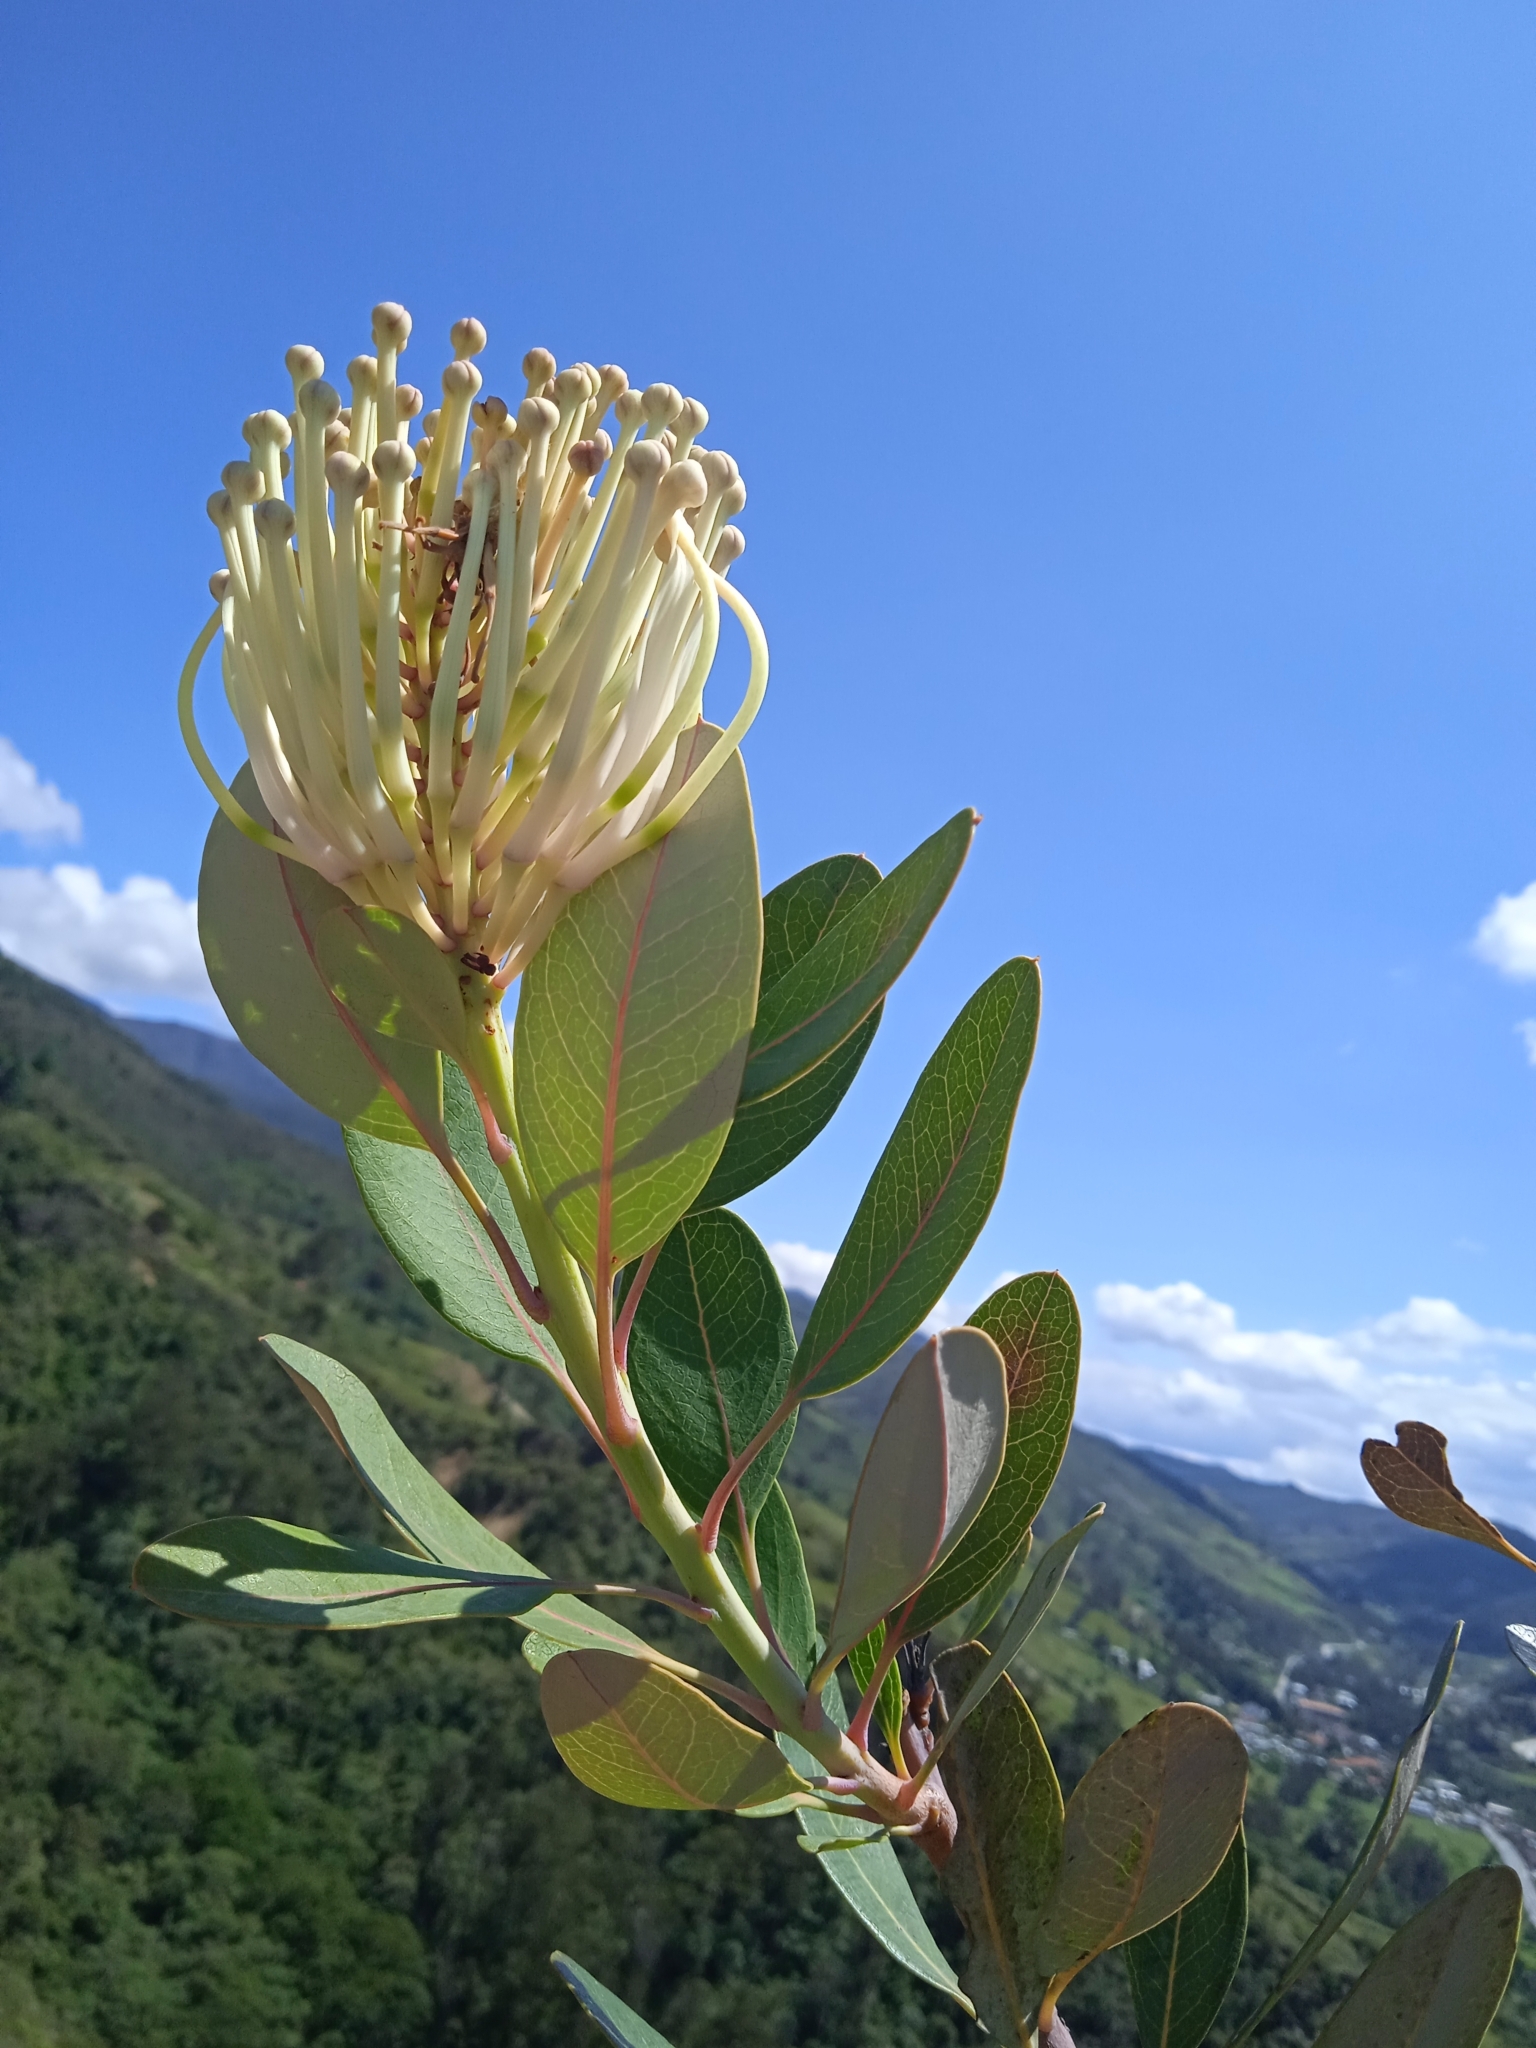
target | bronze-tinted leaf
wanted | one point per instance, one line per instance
(1413, 1478)
(1439, 1980)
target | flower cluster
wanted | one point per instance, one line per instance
(468, 667)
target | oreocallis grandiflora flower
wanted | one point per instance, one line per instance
(463, 664)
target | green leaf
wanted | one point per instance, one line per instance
(1145, 1830)
(435, 1235)
(1042, 1589)
(643, 1737)
(932, 1190)
(425, 1513)
(1181, 1970)
(625, 2029)
(767, 1135)
(1522, 1644)
(633, 1026)
(710, 1355)
(257, 917)
(245, 1569)
(1008, 1847)
(1376, 1847)
(786, 1583)
(930, 1466)
(984, 1609)
(829, 992)
(870, 1879)
(392, 979)
(1033, 1321)
(1439, 1980)
(890, 1705)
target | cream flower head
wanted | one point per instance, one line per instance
(467, 692)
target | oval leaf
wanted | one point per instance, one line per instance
(257, 918)
(1413, 1478)
(642, 1737)
(1007, 1850)
(1033, 1321)
(391, 977)
(623, 2027)
(932, 1190)
(436, 1236)
(710, 1355)
(828, 993)
(244, 1569)
(1145, 1831)
(633, 1026)
(1182, 1969)
(424, 1512)
(1439, 1980)
(930, 1466)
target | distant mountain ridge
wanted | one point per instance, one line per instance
(224, 1065)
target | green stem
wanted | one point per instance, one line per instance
(573, 1324)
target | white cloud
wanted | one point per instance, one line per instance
(129, 943)
(31, 807)
(1294, 1405)
(1506, 938)
(801, 1267)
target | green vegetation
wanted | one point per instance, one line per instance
(230, 1839)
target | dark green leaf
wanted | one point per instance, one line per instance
(932, 1190)
(829, 992)
(767, 1135)
(1376, 1847)
(786, 1584)
(643, 1737)
(258, 915)
(625, 2029)
(710, 1355)
(426, 1514)
(435, 1235)
(1181, 1970)
(1007, 1851)
(1034, 1323)
(1022, 1623)
(246, 1570)
(1439, 1980)
(633, 1026)
(929, 1467)
(1145, 1830)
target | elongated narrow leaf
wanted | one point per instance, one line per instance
(786, 1583)
(1022, 1623)
(1522, 1644)
(862, 1659)
(437, 1238)
(829, 992)
(1413, 1478)
(1182, 1969)
(1145, 1831)
(1007, 1851)
(633, 1026)
(1376, 1847)
(624, 2028)
(984, 1609)
(767, 1135)
(710, 1355)
(1439, 1980)
(932, 1190)
(246, 1570)
(642, 1737)
(1033, 1321)
(257, 915)
(425, 1513)
(871, 1880)
(930, 1466)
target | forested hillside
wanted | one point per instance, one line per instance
(212, 1839)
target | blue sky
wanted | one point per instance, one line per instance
(1138, 407)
